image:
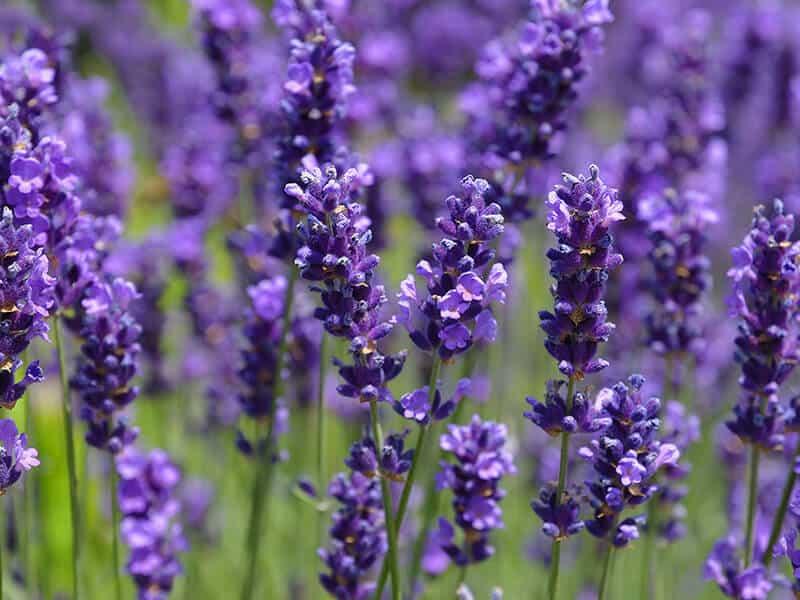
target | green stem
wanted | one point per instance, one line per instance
(555, 555)
(66, 406)
(29, 499)
(115, 524)
(647, 555)
(323, 367)
(431, 503)
(751, 504)
(777, 522)
(418, 450)
(606, 573)
(264, 468)
(388, 511)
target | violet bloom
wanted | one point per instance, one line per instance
(787, 546)
(334, 253)
(481, 462)
(27, 81)
(358, 537)
(107, 364)
(392, 462)
(462, 279)
(724, 567)
(580, 215)
(765, 282)
(150, 524)
(15, 456)
(259, 368)
(27, 297)
(625, 458)
(319, 83)
(526, 85)
(677, 224)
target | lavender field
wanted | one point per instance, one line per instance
(399, 299)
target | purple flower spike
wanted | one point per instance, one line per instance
(462, 279)
(581, 214)
(481, 462)
(725, 568)
(108, 363)
(560, 516)
(766, 280)
(553, 417)
(150, 509)
(625, 457)
(16, 457)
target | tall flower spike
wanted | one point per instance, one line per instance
(150, 510)
(16, 457)
(462, 279)
(358, 536)
(527, 83)
(580, 215)
(677, 226)
(725, 568)
(107, 364)
(481, 462)
(27, 297)
(625, 458)
(262, 331)
(766, 281)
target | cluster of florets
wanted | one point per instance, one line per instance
(228, 28)
(765, 276)
(260, 369)
(15, 456)
(462, 279)
(27, 83)
(27, 298)
(625, 459)
(527, 84)
(391, 462)
(319, 83)
(580, 215)
(559, 414)
(724, 566)
(677, 225)
(481, 462)
(358, 535)
(108, 363)
(150, 507)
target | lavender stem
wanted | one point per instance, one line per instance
(555, 559)
(263, 476)
(115, 524)
(66, 405)
(751, 504)
(388, 511)
(777, 522)
(418, 450)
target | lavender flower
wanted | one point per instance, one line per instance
(528, 83)
(392, 462)
(581, 214)
(107, 364)
(358, 536)
(765, 280)
(724, 567)
(27, 297)
(259, 369)
(481, 462)
(15, 456)
(27, 83)
(147, 499)
(625, 458)
(462, 280)
(677, 225)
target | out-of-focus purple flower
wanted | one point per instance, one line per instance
(108, 363)
(150, 520)
(677, 225)
(16, 457)
(527, 83)
(462, 280)
(260, 367)
(724, 567)
(358, 536)
(27, 82)
(625, 458)
(481, 462)
(765, 280)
